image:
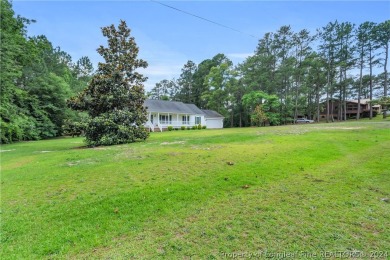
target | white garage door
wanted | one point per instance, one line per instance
(214, 123)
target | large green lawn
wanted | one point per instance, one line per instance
(305, 189)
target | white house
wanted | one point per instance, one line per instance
(162, 114)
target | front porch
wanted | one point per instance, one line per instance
(161, 121)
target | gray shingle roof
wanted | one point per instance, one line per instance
(162, 106)
(211, 114)
(195, 109)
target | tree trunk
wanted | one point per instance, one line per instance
(360, 84)
(296, 105)
(385, 85)
(327, 107)
(240, 117)
(327, 96)
(332, 106)
(232, 118)
(370, 83)
(345, 103)
(345, 96)
(340, 106)
(318, 103)
(309, 106)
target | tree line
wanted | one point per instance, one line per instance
(290, 74)
(36, 79)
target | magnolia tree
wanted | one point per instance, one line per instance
(114, 98)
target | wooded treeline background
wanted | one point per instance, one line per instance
(289, 74)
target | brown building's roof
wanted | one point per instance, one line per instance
(363, 101)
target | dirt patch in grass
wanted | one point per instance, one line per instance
(339, 127)
(80, 162)
(209, 148)
(129, 154)
(2, 151)
(175, 154)
(293, 132)
(101, 148)
(17, 164)
(81, 147)
(169, 143)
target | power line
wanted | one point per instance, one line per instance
(202, 18)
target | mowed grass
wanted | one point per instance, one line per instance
(305, 188)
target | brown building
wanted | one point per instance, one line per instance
(336, 109)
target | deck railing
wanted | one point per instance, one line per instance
(179, 123)
(176, 123)
(165, 123)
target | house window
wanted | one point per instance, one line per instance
(186, 120)
(165, 119)
(197, 120)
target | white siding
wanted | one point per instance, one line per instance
(202, 120)
(213, 123)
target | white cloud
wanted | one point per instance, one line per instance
(163, 70)
(159, 71)
(242, 56)
(164, 62)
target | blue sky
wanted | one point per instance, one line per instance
(168, 39)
